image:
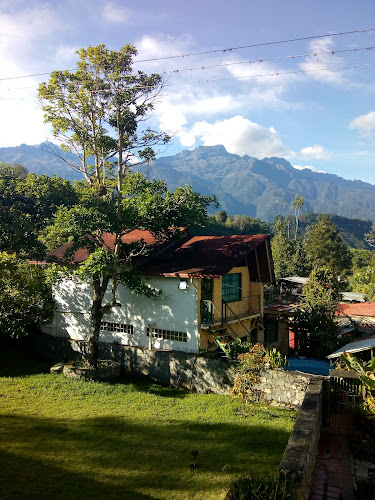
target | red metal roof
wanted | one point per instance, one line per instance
(109, 242)
(360, 309)
(201, 256)
(211, 256)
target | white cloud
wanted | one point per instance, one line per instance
(309, 167)
(364, 123)
(238, 135)
(150, 47)
(114, 13)
(316, 152)
(32, 131)
(320, 66)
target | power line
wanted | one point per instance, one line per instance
(263, 44)
(231, 49)
(279, 73)
(333, 68)
(252, 61)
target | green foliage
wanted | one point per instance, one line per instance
(221, 217)
(297, 204)
(314, 319)
(25, 296)
(366, 374)
(324, 246)
(249, 365)
(27, 204)
(237, 347)
(275, 359)
(288, 255)
(362, 281)
(261, 488)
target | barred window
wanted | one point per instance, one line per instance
(271, 331)
(158, 333)
(109, 326)
(231, 289)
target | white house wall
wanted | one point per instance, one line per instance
(174, 311)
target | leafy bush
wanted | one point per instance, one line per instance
(25, 296)
(255, 488)
(249, 365)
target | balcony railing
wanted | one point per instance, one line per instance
(226, 312)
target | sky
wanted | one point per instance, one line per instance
(261, 77)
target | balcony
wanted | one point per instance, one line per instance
(229, 312)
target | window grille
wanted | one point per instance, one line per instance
(109, 326)
(231, 288)
(271, 331)
(158, 333)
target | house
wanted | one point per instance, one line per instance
(211, 287)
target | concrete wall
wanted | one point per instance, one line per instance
(175, 310)
(299, 457)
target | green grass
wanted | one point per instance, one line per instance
(62, 438)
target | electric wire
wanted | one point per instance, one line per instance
(145, 87)
(231, 49)
(236, 63)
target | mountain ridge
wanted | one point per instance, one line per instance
(245, 185)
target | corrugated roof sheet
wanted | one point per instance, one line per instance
(356, 346)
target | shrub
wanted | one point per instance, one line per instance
(255, 488)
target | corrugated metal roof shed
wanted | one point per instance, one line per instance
(357, 346)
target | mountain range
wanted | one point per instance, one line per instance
(243, 185)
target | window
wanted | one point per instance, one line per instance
(270, 331)
(109, 326)
(158, 333)
(231, 287)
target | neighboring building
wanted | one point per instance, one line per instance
(211, 286)
(292, 287)
(364, 348)
(361, 314)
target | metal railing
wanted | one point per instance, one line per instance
(230, 311)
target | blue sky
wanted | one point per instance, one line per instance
(311, 101)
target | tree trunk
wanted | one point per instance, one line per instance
(96, 320)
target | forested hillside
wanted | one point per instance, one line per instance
(243, 185)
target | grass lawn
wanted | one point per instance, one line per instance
(62, 438)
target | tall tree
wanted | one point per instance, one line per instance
(314, 319)
(324, 246)
(297, 204)
(98, 112)
(282, 252)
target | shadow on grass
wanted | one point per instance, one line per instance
(15, 361)
(118, 457)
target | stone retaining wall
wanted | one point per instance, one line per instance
(299, 457)
(178, 369)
